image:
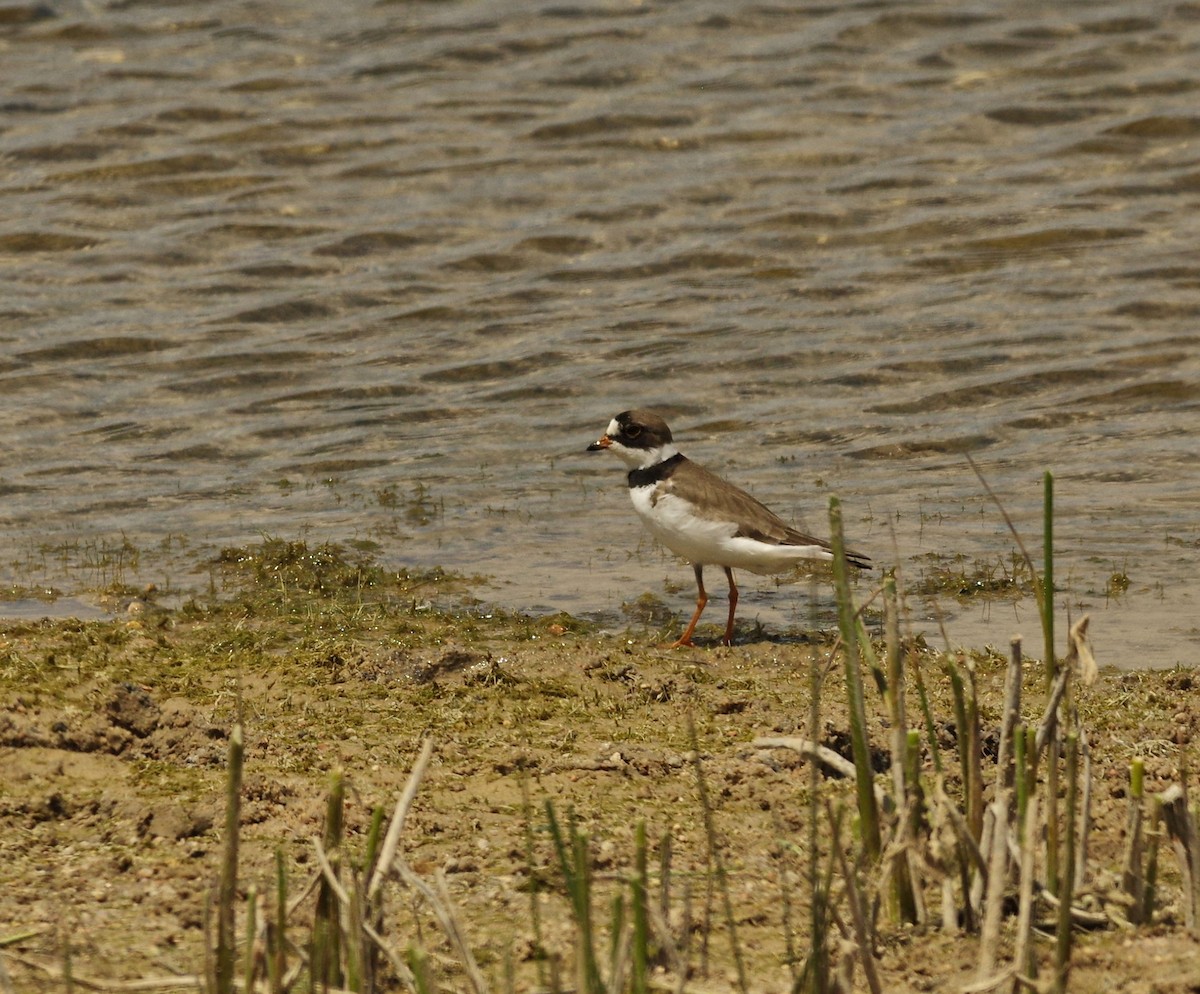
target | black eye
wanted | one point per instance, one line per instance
(632, 431)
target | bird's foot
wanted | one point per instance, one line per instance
(683, 643)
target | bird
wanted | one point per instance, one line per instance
(702, 518)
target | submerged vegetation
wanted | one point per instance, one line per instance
(966, 579)
(326, 775)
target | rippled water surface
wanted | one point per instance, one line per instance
(378, 272)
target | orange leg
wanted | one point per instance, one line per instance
(733, 598)
(701, 600)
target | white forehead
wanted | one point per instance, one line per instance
(613, 428)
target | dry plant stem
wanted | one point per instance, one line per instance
(1079, 653)
(895, 679)
(905, 897)
(173, 983)
(949, 907)
(1155, 836)
(1085, 811)
(822, 755)
(858, 914)
(786, 909)
(1080, 917)
(917, 815)
(393, 957)
(931, 738)
(457, 934)
(329, 874)
(1049, 740)
(1181, 827)
(1021, 778)
(1011, 716)
(1133, 880)
(1023, 961)
(997, 878)
(277, 956)
(661, 917)
(439, 902)
(963, 736)
(1062, 953)
(974, 854)
(252, 950)
(1053, 831)
(1049, 723)
(227, 893)
(391, 840)
(990, 983)
(968, 856)
(662, 930)
(722, 878)
(980, 886)
(535, 913)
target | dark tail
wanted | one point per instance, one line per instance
(859, 560)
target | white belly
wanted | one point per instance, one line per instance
(713, 543)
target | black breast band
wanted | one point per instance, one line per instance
(653, 474)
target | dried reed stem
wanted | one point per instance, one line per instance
(1064, 933)
(1011, 716)
(391, 841)
(226, 957)
(722, 878)
(997, 878)
(1023, 959)
(1181, 827)
(1133, 879)
(858, 913)
(1085, 812)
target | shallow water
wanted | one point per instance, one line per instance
(380, 273)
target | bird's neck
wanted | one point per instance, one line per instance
(652, 457)
(648, 475)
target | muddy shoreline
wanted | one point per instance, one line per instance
(114, 737)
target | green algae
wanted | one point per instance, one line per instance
(967, 579)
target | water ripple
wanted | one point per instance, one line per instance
(384, 247)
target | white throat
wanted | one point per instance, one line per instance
(643, 458)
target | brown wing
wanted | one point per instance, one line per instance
(704, 489)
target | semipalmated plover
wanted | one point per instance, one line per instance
(699, 516)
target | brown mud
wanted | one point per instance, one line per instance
(114, 737)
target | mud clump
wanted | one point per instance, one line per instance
(132, 708)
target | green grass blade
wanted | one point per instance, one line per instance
(639, 979)
(326, 942)
(574, 864)
(251, 932)
(1047, 604)
(535, 913)
(864, 778)
(718, 861)
(277, 954)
